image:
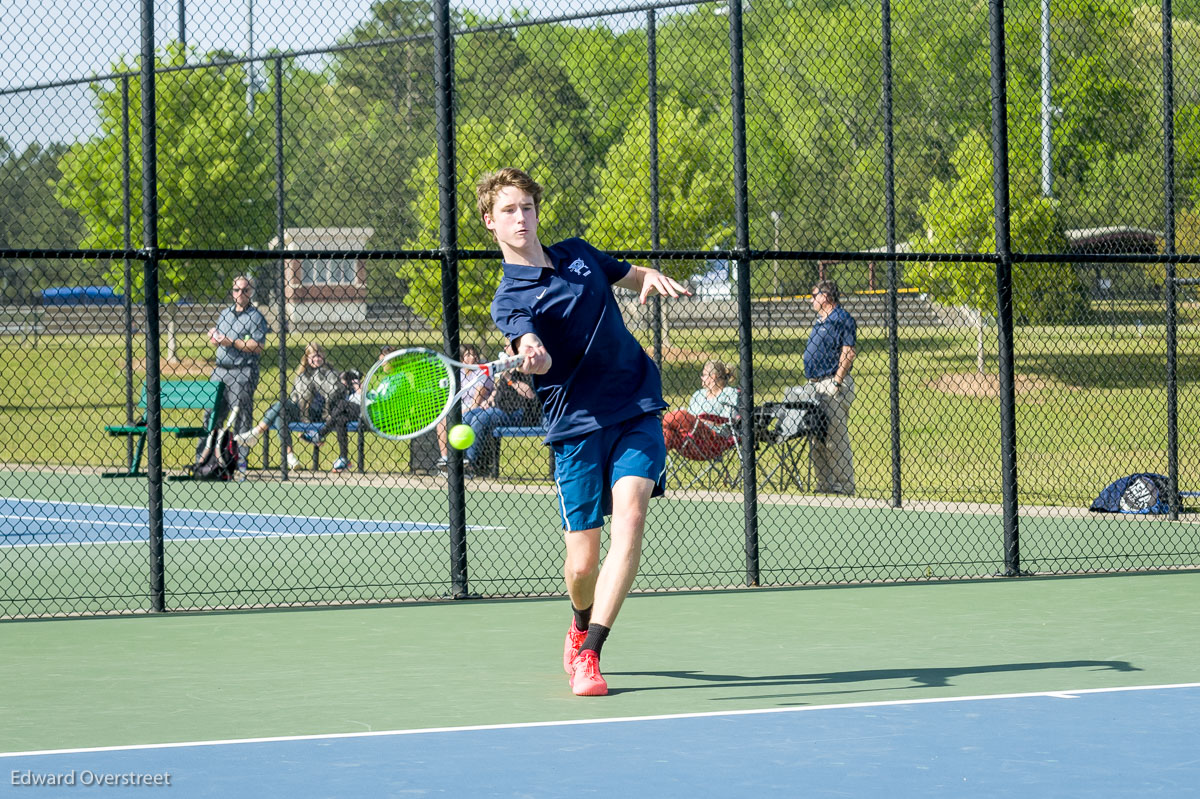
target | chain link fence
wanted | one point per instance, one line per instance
(1005, 193)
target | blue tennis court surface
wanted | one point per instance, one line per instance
(31, 522)
(1095, 743)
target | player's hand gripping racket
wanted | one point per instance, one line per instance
(410, 391)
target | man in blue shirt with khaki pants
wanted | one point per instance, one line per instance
(601, 395)
(827, 358)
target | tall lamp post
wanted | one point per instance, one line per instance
(1047, 108)
(775, 262)
(251, 67)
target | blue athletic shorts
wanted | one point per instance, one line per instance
(586, 467)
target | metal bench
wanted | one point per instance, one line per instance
(200, 395)
(299, 428)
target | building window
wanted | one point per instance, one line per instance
(337, 272)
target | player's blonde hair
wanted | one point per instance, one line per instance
(491, 183)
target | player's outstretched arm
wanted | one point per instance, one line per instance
(647, 281)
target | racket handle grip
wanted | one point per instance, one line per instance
(506, 363)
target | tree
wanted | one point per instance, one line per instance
(399, 74)
(214, 175)
(483, 145)
(511, 111)
(496, 78)
(1187, 240)
(349, 157)
(31, 218)
(696, 205)
(959, 217)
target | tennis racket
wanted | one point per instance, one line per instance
(410, 391)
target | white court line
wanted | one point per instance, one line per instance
(238, 514)
(238, 535)
(109, 523)
(243, 536)
(235, 533)
(615, 720)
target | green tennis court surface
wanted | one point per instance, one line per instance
(327, 542)
(220, 676)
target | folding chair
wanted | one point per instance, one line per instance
(705, 455)
(785, 431)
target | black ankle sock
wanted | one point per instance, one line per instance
(595, 638)
(582, 617)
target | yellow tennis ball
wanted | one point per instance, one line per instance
(461, 436)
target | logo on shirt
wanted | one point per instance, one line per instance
(579, 267)
(543, 294)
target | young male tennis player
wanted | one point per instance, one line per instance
(601, 395)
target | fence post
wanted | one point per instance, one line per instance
(1169, 249)
(889, 203)
(150, 254)
(737, 86)
(127, 244)
(655, 231)
(443, 50)
(280, 221)
(1004, 311)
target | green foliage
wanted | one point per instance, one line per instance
(483, 146)
(539, 126)
(213, 173)
(695, 204)
(1187, 240)
(960, 218)
(30, 217)
(399, 74)
(570, 100)
(606, 70)
(496, 78)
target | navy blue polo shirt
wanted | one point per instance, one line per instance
(600, 374)
(824, 347)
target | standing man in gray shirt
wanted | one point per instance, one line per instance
(240, 336)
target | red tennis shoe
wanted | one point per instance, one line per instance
(575, 639)
(586, 679)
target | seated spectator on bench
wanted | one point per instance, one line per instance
(345, 406)
(513, 403)
(476, 388)
(703, 431)
(312, 388)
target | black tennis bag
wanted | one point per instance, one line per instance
(1135, 493)
(218, 460)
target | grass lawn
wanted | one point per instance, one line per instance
(1091, 403)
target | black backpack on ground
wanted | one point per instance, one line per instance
(218, 460)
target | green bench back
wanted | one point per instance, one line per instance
(200, 394)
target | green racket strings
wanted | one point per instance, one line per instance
(409, 394)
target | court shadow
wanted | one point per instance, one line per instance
(854, 681)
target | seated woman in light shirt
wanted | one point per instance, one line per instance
(703, 431)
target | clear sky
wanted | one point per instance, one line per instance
(42, 41)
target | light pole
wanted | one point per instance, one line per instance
(775, 262)
(1047, 108)
(251, 67)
